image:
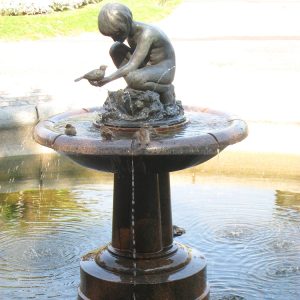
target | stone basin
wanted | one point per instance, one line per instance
(169, 151)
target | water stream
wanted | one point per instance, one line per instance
(133, 227)
(162, 76)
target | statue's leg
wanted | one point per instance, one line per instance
(156, 78)
(120, 54)
(169, 96)
(166, 91)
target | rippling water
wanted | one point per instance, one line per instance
(249, 235)
(250, 238)
(43, 233)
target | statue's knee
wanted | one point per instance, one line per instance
(134, 81)
(115, 49)
(130, 80)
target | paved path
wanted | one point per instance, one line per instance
(240, 55)
(237, 55)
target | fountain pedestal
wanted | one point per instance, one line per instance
(142, 261)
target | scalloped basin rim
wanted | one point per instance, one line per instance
(204, 143)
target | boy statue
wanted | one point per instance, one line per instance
(149, 61)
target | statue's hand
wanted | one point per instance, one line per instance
(93, 82)
(99, 83)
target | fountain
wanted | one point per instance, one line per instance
(141, 134)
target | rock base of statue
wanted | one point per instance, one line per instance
(133, 108)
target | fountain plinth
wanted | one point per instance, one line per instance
(141, 134)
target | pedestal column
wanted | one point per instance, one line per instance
(136, 214)
(142, 261)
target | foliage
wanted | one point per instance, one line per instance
(72, 22)
(33, 7)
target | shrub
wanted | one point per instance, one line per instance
(33, 7)
(60, 5)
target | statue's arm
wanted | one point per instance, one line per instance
(138, 57)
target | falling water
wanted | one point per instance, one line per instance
(58, 173)
(133, 224)
(130, 101)
(161, 77)
(218, 153)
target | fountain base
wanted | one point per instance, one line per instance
(176, 274)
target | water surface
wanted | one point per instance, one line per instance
(199, 122)
(248, 230)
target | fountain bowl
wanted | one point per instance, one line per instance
(166, 153)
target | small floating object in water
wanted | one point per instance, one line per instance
(70, 130)
(94, 75)
(178, 231)
(106, 133)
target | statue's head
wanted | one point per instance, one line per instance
(115, 20)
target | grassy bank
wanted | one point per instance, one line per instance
(73, 22)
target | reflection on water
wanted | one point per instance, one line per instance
(288, 200)
(250, 237)
(43, 234)
(252, 243)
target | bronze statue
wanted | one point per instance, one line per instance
(149, 61)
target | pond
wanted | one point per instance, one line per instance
(53, 213)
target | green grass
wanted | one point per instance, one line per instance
(73, 22)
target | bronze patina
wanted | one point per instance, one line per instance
(148, 63)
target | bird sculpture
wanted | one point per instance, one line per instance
(70, 130)
(178, 231)
(94, 75)
(142, 137)
(106, 133)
